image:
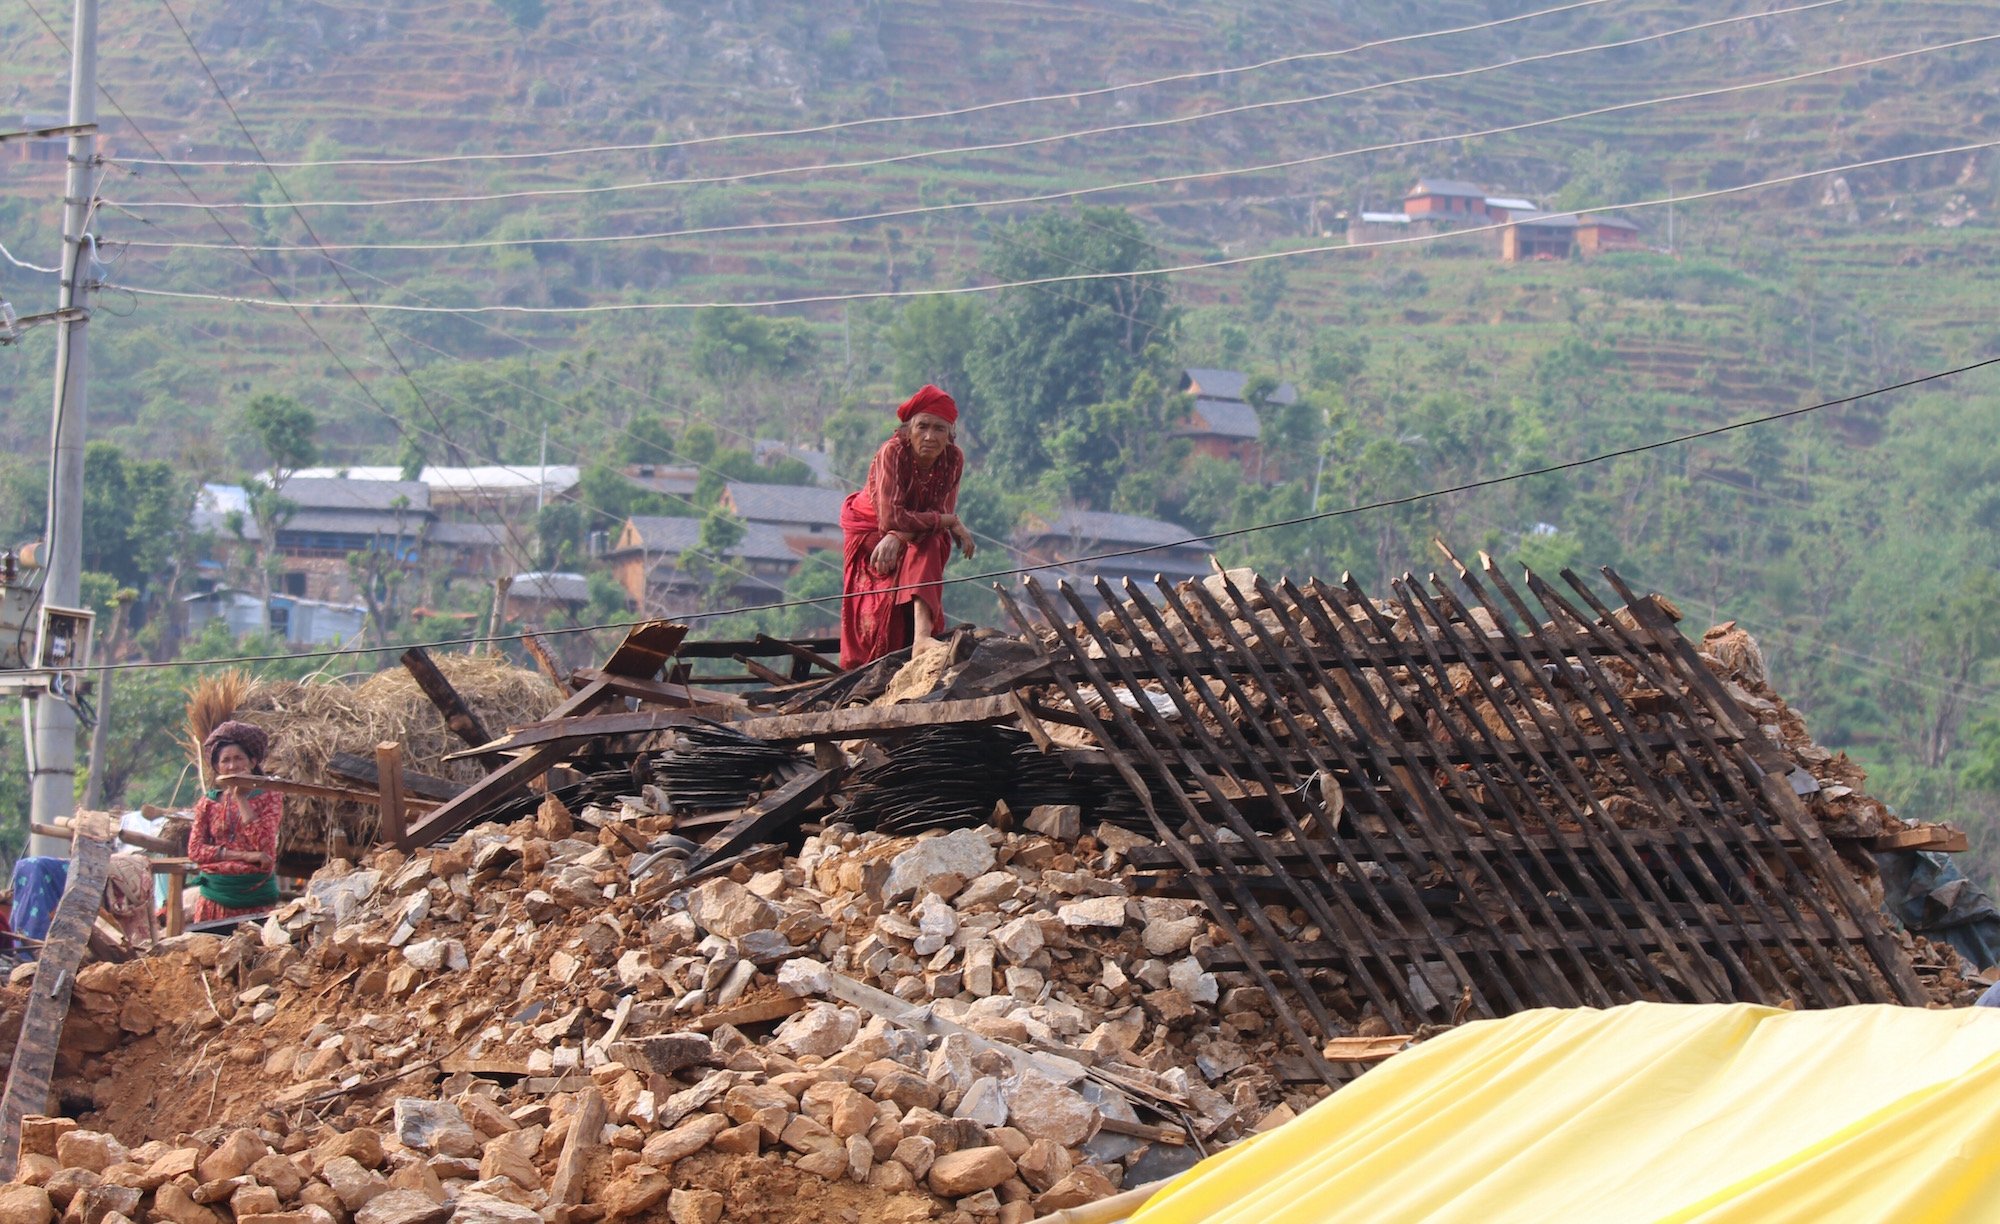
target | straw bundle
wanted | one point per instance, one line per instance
(310, 721)
(211, 701)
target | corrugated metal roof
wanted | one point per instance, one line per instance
(1610, 223)
(411, 525)
(1385, 218)
(771, 503)
(1445, 187)
(491, 478)
(553, 587)
(1511, 203)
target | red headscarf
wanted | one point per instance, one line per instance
(929, 399)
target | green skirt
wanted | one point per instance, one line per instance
(238, 891)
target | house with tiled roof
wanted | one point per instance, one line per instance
(1221, 423)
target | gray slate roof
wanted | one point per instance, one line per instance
(1611, 223)
(1229, 384)
(410, 524)
(1222, 418)
(333, 493)
(1101, 528)
(467, 535)
(1547, 220)
(771, 503)
(667, 534)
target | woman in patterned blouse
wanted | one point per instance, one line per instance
(899, 531)
(234, 842)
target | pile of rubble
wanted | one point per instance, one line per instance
(1212, 865)
(962, 1024)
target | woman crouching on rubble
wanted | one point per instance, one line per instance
(234, 842)
(899, 530)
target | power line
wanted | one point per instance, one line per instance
(397, 360)
(960, 290)
(891, 159)
(1207, 538)
(850, 124)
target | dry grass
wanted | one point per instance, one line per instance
(310, 721)
(212, 700)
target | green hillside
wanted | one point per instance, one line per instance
(1857, 542)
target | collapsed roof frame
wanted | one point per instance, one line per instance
(1470, 864)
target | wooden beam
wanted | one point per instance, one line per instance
(1029, 723)
(449, 702)
(508, 780)
(362, 771)
(389, 791)
(1942, 838)
(590, 726)
(543, 659)
(662, 692)
(759, 821)
(316, 790)
(801, 652)
(34, 1060)
(729, 649)
(866, 722)
(767, 674)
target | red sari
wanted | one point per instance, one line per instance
(901, 499)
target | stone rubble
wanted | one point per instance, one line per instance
(700, 1024)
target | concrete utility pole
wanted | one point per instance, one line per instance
(54, 782)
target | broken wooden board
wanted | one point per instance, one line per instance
(48, 999)
(765, 817)
(505, 782)
(867, 722)
(1942, 838)
(583, 727)
(363, 771)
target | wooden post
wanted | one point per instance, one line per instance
(177, 878)
(389, 774)
(457, 714)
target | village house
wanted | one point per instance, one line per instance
(1053, 540)
(807, 516)
(651, 560)
(470, 550)
(329, 520)
(1449, 200)
(1222, 424)
(1538, 236)
(299, 622)
(1597, 234)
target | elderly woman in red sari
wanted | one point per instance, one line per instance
(234, 842)
(899, 531)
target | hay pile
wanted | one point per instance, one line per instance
(311, 720)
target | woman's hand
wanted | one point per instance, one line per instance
(888, 556)
(963, 534)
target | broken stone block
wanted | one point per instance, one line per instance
(1043, 1164)
(21, 1204)
(937, 922)
(684, 1140)
(1188, 977)
(1019, 940)
(821, 1029)
(962, 1173)
(1063, 822)
(964, 853)
(234, 1156)
(87, 1149)
(725, 908)
(1041, 1108)
(634, 1192)
(983, 1103)
(356, 1186)
(1093, 912)
(804, 977)
(492, 1209)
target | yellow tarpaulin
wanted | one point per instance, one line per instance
(1649, 1112)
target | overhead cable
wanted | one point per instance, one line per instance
(890, 159)
(851, 124)
(1070, 278)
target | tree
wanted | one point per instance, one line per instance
(1046, 353)
(135, 514)
(730, 343)
(1122, 454)
(284, 428)
(933, 340)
